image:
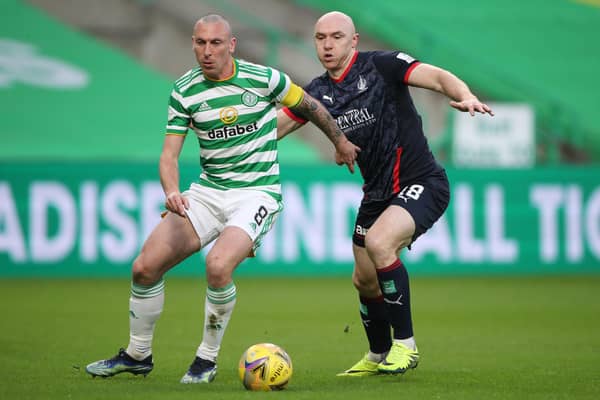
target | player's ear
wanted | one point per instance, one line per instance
(355, 39)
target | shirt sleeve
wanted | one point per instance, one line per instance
(278, 85)
(178, 119)
(293, 116)
(395, 66)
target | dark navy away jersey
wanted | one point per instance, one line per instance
(372, 106)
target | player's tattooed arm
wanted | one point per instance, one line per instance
(315, 112)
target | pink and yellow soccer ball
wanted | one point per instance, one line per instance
(265, 367)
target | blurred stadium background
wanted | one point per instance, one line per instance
(83, 88)
(83, 93)
(505, 287)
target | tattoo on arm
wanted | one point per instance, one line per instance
(316, 113)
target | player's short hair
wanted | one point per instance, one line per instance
(214, 18)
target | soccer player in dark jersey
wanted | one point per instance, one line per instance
(405, 189)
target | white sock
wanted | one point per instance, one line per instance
(145, 306)
(218, 307)
(408, 342)
(375, 357)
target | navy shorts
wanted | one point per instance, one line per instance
(425, 200)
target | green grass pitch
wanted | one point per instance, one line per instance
(479, 338)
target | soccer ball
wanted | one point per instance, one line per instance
(265, 367)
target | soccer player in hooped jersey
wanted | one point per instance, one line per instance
(405, 189)
(230, 105)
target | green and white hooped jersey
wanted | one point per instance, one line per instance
(235, 120)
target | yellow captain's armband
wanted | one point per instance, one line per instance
(293, 97)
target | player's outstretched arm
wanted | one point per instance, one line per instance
(315, 112)
(431, 77)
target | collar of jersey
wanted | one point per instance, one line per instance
(347, 70)
(235, 68)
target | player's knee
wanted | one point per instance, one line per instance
(364, 284)
(377, 246)
(216, 271)
(142, 273)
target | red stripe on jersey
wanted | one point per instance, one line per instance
(409, 70)
(293, 116)
(347, 70)
(396, 174)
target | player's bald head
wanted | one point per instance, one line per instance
(338, 19)
(214, 19)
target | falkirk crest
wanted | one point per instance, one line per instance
(362, 84)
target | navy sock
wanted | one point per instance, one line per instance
(393, 281)
(374, 319)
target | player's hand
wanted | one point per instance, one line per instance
(346, 152)
(177, 203)
(472, 106)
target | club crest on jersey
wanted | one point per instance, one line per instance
(249, 99)
(228, 115)
(362, 84)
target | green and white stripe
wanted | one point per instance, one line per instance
(143, 291)
(232, 160)
(221, 295)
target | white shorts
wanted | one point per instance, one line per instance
(211, 210)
